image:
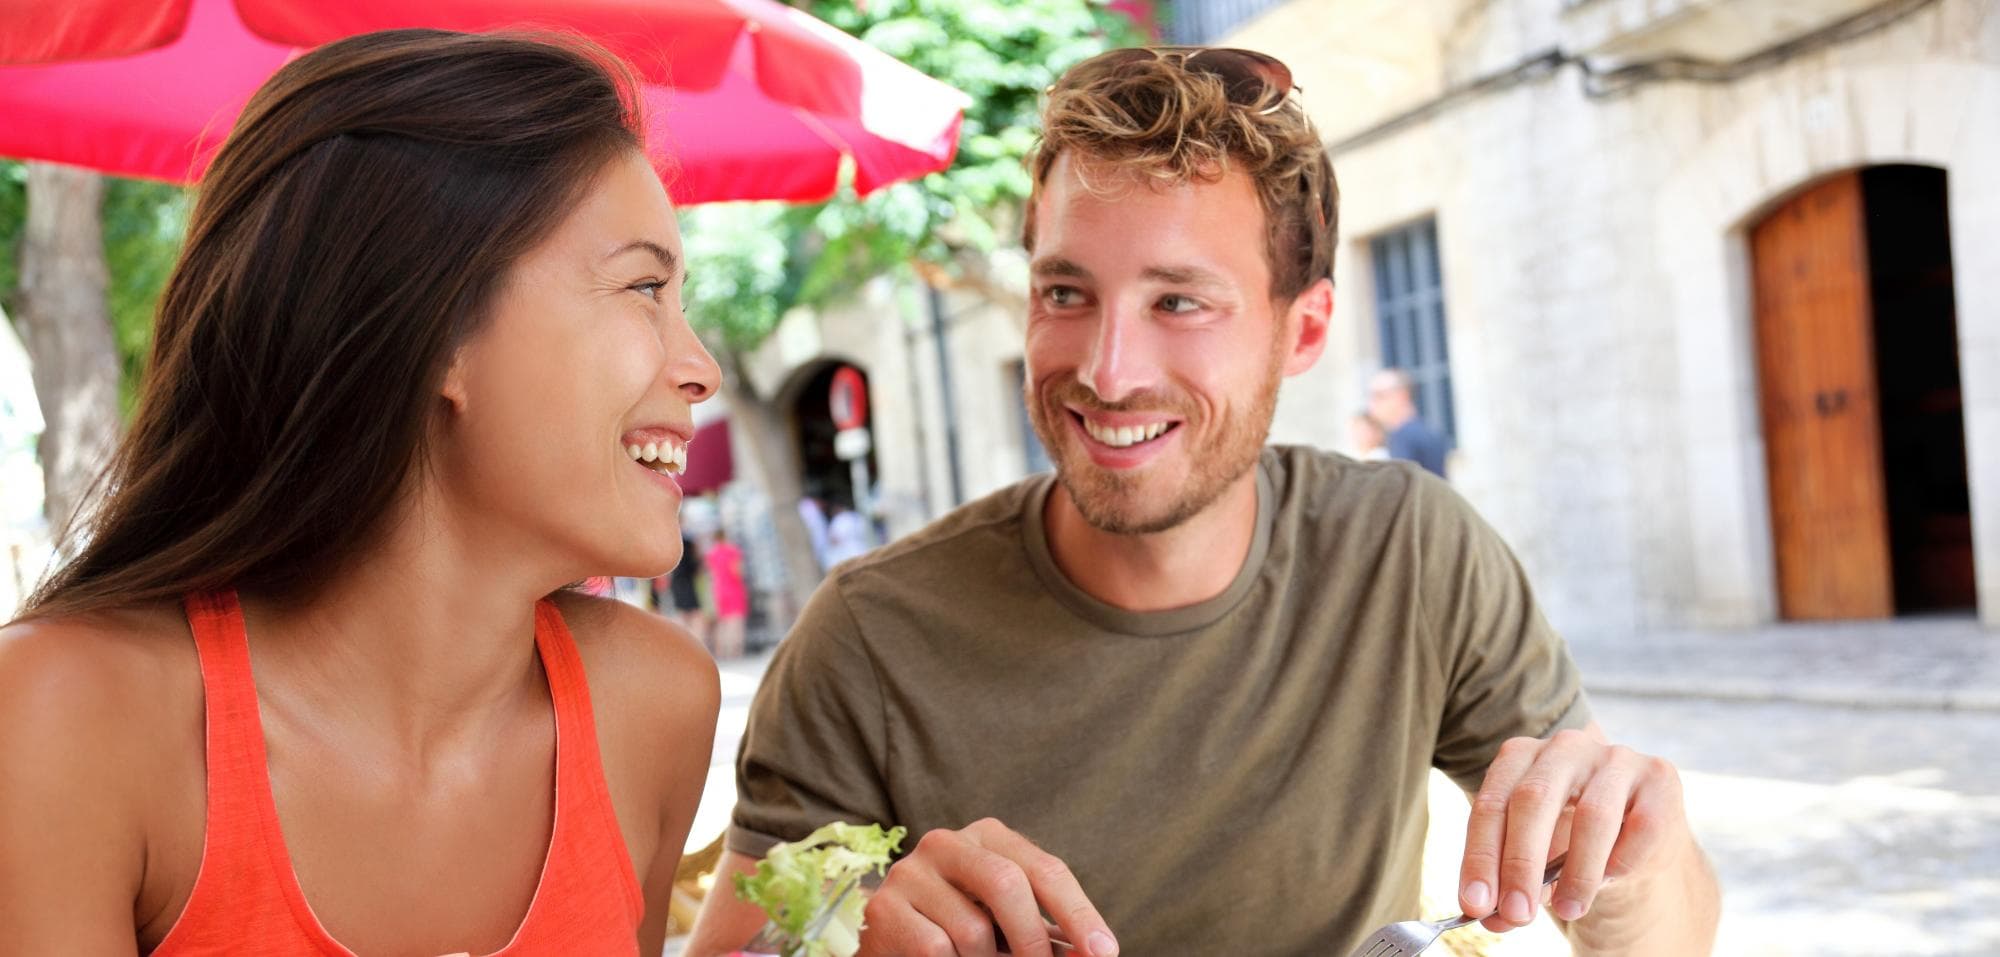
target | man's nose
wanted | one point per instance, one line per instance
(1120, 360)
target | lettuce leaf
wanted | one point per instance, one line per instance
(793, 883)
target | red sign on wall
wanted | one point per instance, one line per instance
(847, 399)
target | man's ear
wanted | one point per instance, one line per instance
(1310, 319)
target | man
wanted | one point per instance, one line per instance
(1392, 403)
(813, 514)
(1184, 696)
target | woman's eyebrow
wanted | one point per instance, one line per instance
(668, 261)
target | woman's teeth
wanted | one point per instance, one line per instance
(668, 457)
(1130, 435)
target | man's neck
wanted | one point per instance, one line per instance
(1185, 565)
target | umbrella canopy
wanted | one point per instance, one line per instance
(740, 119)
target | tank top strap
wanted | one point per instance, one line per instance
(237, 778)
(587, 829)
(244, 890)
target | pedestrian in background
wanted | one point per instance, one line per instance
(848, 535)
(729, 594)
(1368, 439)
(813, 514)
(678, 592)
(1393, 404)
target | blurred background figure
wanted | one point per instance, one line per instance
(731, 598)
(848, 534)
(1366, 437)
(677, 593)
(1394, 407)
(813, 514)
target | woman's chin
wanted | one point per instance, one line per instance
(641, 562)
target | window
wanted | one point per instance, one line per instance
(1409, 306)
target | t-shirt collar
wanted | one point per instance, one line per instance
(1148, 624)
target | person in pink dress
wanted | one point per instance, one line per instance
(731, 597)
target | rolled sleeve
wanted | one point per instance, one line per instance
(813, 749)
(1510, 674)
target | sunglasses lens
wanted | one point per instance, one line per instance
(1254, 80)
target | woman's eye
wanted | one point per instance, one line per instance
(649, 288)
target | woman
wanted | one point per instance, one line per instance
(731, 596)
(309, 683)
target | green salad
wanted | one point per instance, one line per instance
(795, 882)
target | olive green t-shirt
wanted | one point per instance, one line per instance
(1243, 776)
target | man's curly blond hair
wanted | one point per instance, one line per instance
(1173, 125)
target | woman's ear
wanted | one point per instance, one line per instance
(454, 390)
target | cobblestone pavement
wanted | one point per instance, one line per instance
(1837, 831)
(1944, 662)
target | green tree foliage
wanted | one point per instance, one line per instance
(144, 222)
(13, 218)
(755, 261)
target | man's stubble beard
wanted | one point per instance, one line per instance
(1109, 501)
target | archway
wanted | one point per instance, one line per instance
(1859, 390)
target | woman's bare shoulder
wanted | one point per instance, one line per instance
(100, 733)
(633, 656)
(103, 674)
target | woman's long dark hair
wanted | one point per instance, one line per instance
(349, 235)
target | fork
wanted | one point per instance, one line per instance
(771, 940)
(1411, 937)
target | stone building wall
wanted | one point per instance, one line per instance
(1594, 264)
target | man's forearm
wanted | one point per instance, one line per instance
(1670, 913)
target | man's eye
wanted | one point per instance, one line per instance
(1063, 296)
(1178, 304)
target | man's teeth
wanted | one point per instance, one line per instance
(669, 457)
(1124, 436)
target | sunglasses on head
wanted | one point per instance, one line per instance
(1252, 80)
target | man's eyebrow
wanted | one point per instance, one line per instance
(668, 261)
(1059, 268)
(1184, 276)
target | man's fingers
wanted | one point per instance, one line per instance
(1486, 830)
(1055, 890)
(964, 922)
(896, 929)
(1657, 810)
(1594, 828)
(1533, 810)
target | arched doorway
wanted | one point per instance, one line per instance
(1864, 430)
(831, 398)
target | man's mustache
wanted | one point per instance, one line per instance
(1075, 395)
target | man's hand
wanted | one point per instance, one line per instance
(946, 896)
(1618, 813)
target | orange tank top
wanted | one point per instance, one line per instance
(246, 899)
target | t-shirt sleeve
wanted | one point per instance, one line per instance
(814, 745)
(1507, 673)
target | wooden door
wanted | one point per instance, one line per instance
(1822, 424)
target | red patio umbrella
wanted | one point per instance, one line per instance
(764, 102)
